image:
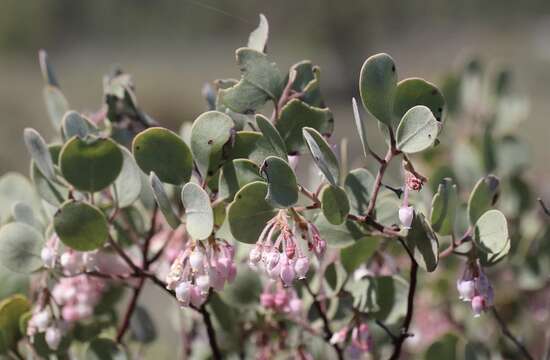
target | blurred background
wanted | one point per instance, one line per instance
(173, 47)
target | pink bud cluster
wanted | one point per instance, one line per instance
(474, 287)
(42, 321)
(281, 300)
(77, 296)
(361, 339)
(200, 267)
(283, 257)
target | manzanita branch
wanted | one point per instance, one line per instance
(510, 336)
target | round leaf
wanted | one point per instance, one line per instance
(14, 187)
(162, 151)
(210, 131)
(417, 130)
(377, 85)
(339, 236)
(11, 310)
(236, 174)
(355, 255)
(482, 197)
(322, 155)
(491, 232)
(20, 247)
(359, 184)
(81, 226)
(75, 124)
(199, 215)
(415, 91)
(249, 212)
(282, 188)
(335, 204)
(90, 164)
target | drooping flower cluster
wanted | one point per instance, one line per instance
(278, 252)
(474, 287)
(361, 340)
(280, 299)
(77, 296)
(200, 267)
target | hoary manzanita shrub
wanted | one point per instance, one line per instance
(266, 264)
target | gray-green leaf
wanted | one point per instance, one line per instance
(417, 130)
(322, 155)
(199, 215)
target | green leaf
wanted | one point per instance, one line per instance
(12, 282)
(271, 139)
(417, 130)
(74, 124)
(249, 212)
(20, 247)
(482, 197)
(199, 215)
(236, 174)
(444, 348)
(155, 144)
(295, 116)
(142, 327)
(246, 145)
(335, 204)
(361, 127)
(491, 233)
(14, 187)
(258, 38)
(307, 82)
(444, 205)
(423, 243)
(104, 349)
(358, 253)
(38, 149)
(245, 290)
(56, 104)
(210, 131)
(339, 236)
(261, 81)
(163, 201)
(90, 164)
(50, 191)
(359, 185)
(415, 91)
(81, 226)
(282, 188)
(23, 213)
(11, 310)
(322, 155)
(377, 84)
(128, 182)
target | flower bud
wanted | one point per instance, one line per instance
(183, 293)
(295, 306)
(287, 274)
(48, 256)
(53, 337)
(196, 260)
(301, 267)
(197, 297)
(406, 215)
(466, 289)
(478, 305)
(267, 300)
(255, 255)
(41, 319)
(280, 298)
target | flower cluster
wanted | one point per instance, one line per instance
(361, 339)
(279, 299)
(200, 267)
(42, 321)
(77, 296)
(279, 254)
(474, 286)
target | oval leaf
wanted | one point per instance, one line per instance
(282, 188)
(128, 183)
(377, 85)
(81, 226)
(20, 247)
(199, 215)
(236, 174)
(322, 155)
(423, 243)
(417, 130)
(39, 151)
(271, 139)
(361, 127)
(56, 104)
(249, 212)
(444, 205)
(11, 310)
(355, 255)
(155, 144)
(491, 232)
(90, 164)
(359, 185)
(48, 190)
(415, 91)
(335, 204)
(74, 124)
(482, 197)
(210, 131)
(163, 201)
